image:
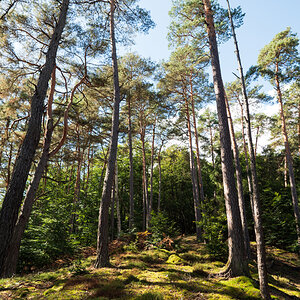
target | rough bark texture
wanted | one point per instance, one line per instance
(102, 236)
(289, 160)
(11, 260)
(239, 180)
(237, 262)
(14, 195)
(260, 244)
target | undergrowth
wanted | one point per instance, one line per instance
(155, 273)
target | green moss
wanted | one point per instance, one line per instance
(175, 260)
(150, 296)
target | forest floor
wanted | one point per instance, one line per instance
(184, 273)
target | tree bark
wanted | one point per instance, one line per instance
(159, 181)
(289, 159)
(131, 179)
(237, 262)
(239, 181)
(14, 195)
(145, 183)
(193, 176)
(200, 181)
(117, 199)
(102, 236)
(151, 170)
(260, 244)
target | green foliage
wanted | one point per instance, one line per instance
(161, 225)
(215, 234)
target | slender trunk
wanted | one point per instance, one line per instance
(14, 195)
(285, 172)
(103, 172)
(145, 185)
(237, 263)
(151, 171)
(193, 176)
(239, 181)
(200, 181)
(131, 191)
(261, 256)
(256, 140)
(102, 236)
(159, 181)
(245, 146)
(289, 159)
(76, 190)
(112, 211)
(212, 147)
(117, 200)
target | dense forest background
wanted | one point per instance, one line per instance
(167, 173)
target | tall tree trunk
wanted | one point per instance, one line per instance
(102, 236)
(193, 176)
(245, 146)
(159, 181)
(112, 211)
(261, 256)
(212, 147)
(289, 159)
(239, 180)
(11, 260)
(285, 173)
(151, 170)
(145, 183)
(200, 181)
(256, 140)
(117, 199)
(131, 191)
(14, 195)
(76, 197)
(237, 263)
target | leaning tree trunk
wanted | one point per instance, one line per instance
(239, 180)
(102, 236)
(117, 199)
(11, 260)
(260, 244)
(289, 159)
(30, 198)
(237, 263)
(14, 195)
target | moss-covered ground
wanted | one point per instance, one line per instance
(184, 273)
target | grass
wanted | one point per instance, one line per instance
(156, 274)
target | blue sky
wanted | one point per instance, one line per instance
(263, 19)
